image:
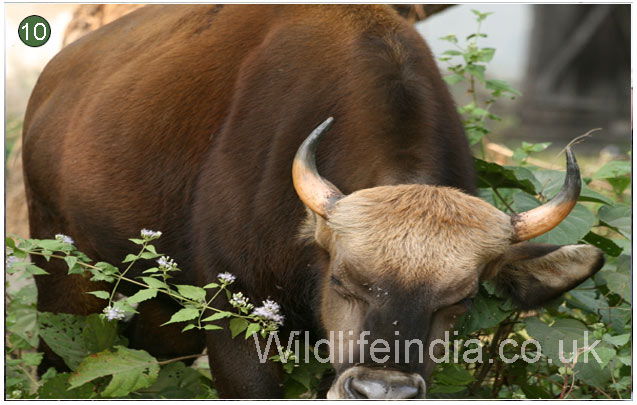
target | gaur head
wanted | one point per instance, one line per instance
(405, 262)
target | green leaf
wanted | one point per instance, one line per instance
(51, 244)
(569, 332)
(619, 283)
(9, 242)
(238, 325)
(612, 169)
(453, 79)
(154, 283)
(606, 245)
(616, 217)
(137, 241)
(151, 270)
(450, 38)
(107, 268)
(106, 272)
(176, 381)
(212, 327)
(617, 340)
(21, 318)
(477, 71)
(32, 359)
(71, 261)
(549, 337)
(35, 270)
(481, 16)
(184, 314)
(142, 295)
(455, 375)
(192, 292)
(605, 354)
(619, 184)
(124, 306)
(590, 195)
(130, 258)
(130, 370)
(492, 175)
(211, 285)
(452, 52)
(485, 312)
(476, 35)
(524, 202)
(57, 387)
(617, 173)
(63, 334)
(99, 334)
(486, 54)
(252, 329)
(535, 147)
(535, 392)
(149, 255)
(475, 135)
(217, 315)
(100, 294)
(188, 327)
(499, 87)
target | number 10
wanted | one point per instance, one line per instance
(25, 27)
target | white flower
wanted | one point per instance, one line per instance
(113, 313)
(64, 238)
(166, 263)
(226, 278)
(147, 234)
(11, 260)
(269, 311)
(239, 301)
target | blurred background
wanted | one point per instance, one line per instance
(570, 62)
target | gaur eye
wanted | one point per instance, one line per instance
(335, 282)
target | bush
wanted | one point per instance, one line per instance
(600, 308)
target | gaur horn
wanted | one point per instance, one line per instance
(316, 193)
(542, 219)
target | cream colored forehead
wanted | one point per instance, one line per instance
(417, 229)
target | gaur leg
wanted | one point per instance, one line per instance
(59, 292)
(62, 293)
(165, 342)
(237, 370)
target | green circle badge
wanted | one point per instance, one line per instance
(34, 31)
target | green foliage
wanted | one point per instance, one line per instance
(131, 370)
(598, 309)
(92, 347)
(468, 64)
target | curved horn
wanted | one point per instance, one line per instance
(316, 193)
(542, 219)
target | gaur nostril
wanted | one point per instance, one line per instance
(378, 389)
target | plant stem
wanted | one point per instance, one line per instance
(119, 278)
(29, 376)
(190, 356)
(210, 302)
(167, 292)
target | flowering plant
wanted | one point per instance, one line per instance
(98, 333)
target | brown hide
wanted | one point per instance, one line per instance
(186, 119)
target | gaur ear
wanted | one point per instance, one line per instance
(532, 274)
